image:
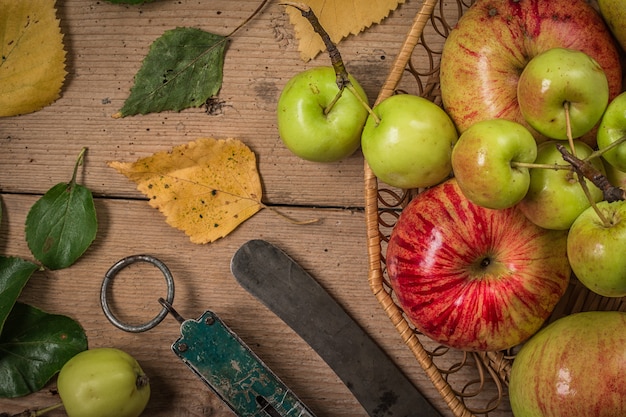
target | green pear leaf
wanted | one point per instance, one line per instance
(14, 274)
(34, 346)
(61, 225)
(183, 69)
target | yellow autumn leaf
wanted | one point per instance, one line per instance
(32, 58)
(205, 188)
(339, 18)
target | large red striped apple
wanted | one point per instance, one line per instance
(474, 278)
(485, 54)
(575, 367)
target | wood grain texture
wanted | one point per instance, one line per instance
(332, 250)
(106, 44)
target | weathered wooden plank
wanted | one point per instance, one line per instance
(332, 250)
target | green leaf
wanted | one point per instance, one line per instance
(183, 69)
(33, 347)
(61, 225)
(14, 274)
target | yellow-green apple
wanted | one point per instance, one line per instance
(474, 278)
(103, 382)
(596, 248)
(555, 197)
(483, 161)
(574, 367)
(487, 50)
(307, 129)
(614, 13)
(559, 77)
(613, 128)
(410, 146)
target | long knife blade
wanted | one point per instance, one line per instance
(299, 300)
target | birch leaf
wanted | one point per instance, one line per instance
(32, 58)
(339, 18)
(183, 69)
(205, 188)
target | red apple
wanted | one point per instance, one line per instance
(474, 278)
(575, 367)
(493, 41)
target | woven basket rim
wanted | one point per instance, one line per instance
(375, 274)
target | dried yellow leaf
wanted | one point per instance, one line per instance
(339, 18)
(206, 188)
(32, 58)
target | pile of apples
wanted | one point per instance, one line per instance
(524, 170)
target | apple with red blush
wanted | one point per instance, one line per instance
(486, 52)
(574, 367)
(474, 278)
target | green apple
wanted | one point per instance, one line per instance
(103, 382)
(613, 128)
(558, 76)
(481, 161)
(412, 143)
(555, 198)
(574, 367)
(597, 251)
(614, 175)
(614, 14)
(303, 124)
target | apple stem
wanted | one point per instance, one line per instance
(600, 152)
(611, 193)
(601, 216)
(343, 78)
(532, 165)
(330, 106)
(568, 128)
(364, 103)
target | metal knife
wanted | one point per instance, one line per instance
(299, 300)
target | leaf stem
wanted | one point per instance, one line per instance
(79, 162)
(289, 219)
(252, 16)
(34, 413)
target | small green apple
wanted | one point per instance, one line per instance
(412, 144)
(555, 198)
(481, 161)
(103, 382)
(613, 128)
(614, 14)
(303, 124)
(597, 251)
(558, 76)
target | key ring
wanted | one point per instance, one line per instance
(114, 270)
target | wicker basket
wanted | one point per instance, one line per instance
(470, 383)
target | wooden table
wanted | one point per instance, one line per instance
(106, 44)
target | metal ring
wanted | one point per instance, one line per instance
(117, 267)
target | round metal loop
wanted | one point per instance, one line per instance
(114, 270)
